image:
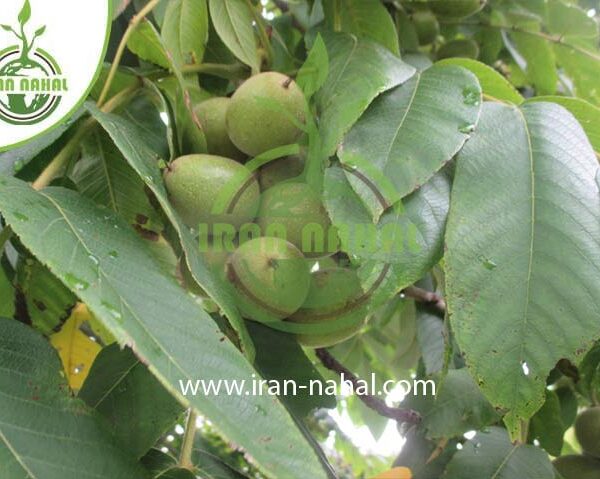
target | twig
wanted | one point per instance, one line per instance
(558, 39)
(61, 159)
(424, 296)
(187, 447)
(372, 402)
(133, 24)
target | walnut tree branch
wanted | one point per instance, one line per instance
(372, 402)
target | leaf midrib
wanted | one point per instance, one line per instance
(104, 163)
(532, 240)
(404, 117)
(504, 462)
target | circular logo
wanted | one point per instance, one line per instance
(31, 85)
(48, 63)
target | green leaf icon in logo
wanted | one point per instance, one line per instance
(25, 13)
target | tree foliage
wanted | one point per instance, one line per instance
(451, 152)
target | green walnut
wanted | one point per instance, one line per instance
(465, 48)
(335, 294)
(455, 9)
(212, 114)
(577, 467)
(587, 430)
(295, 212)
(271, 278)
(426, 26)
(280, 170)
(263, 113)
(197, 184)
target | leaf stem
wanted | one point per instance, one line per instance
(262, 31)
(185, 456)
(133, 24)
(61, 159)
(557, 39)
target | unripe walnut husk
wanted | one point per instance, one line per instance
(262, 111)
(196, 182)
(335, 293)
(426, 26)
(587, 430)
(296, 210)
(577, 467)
(271, 278)
(212, 116)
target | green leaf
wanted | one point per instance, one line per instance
(491, 455)
(348, 214)
(182, 91)
(427, 209)
(529, 175)
(146, 43)
(25, 13)
(458, 407)
(568, 406)
(185, 31)
(313, 73)
(7, 293)
(273, 345)
(144, 110)
(409, 133)
(359, 70)
(407, 33)
(421, 223)
(143, 161)
(232, 20)
(106, 264)
(587, 115)
(35, 405)
(583, 70)
(124, 78)
(547, 426)
(48, 301)
(431, 334)
(589, 369)
(40, 31)
(183, 94)
(568, 20)
(540, 62)
(133, 401)
(493, 85)
(104, 176)
(365, 18)
(177, 473)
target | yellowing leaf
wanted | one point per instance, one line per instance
(395, 473)
(77, 352)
